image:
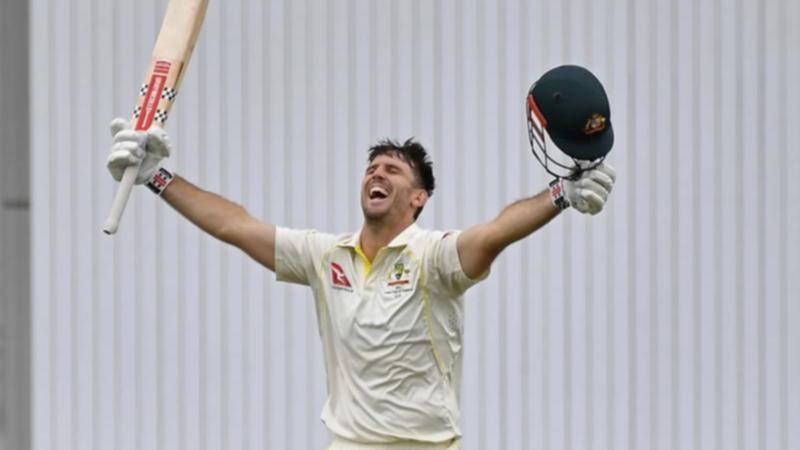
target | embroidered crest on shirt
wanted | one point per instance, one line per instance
(399, 280)
(399, 276)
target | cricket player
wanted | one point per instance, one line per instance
(389, 296)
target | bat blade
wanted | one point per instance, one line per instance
(171, 54)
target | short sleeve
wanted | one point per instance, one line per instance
(297, 253)
(444, 253)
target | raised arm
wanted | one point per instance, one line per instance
(479, 245)
(217, 216)
(223, 219)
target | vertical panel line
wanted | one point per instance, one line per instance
(139, 301)
(716, 221)
(525, 365)
(588, 231)
(138, 334)
(373, 67)
(438, 84)
(760, 227)
(352, 105)
(97, 319)
(566, 250)
(698, 268)
(331, 69)
(202, 250)
(611, 262)
(546, 30)
(505, 422)
(460, 18)
(676, 214)
(479, 44)
(783, 262)
(739, 214)
(75, 350)
(52, 306)
(224, 255)
(5, 381)
(654, 137)
(244, 183)
(416, 68)
(633, 273)
(311, 138)
(288, 77)
(394, 113)
(330, 140)
(116, 313)
(266, 134)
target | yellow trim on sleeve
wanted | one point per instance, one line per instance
(364, 259)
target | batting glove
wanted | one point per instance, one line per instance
(588, 194)
(131, 147)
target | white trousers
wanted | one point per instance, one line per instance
(345, 444)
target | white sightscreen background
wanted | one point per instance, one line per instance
(664, 323)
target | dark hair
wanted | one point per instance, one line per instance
(412, 153)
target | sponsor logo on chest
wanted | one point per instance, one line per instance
(339, 279)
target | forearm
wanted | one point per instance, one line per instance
(478, 246)
(520, 219)
(210, 212)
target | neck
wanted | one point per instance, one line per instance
(376, 235)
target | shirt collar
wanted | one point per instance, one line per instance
(401, 240)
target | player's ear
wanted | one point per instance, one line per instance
(419, 198)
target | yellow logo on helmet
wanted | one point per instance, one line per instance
(595, 124)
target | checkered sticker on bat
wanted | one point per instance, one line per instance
(169, 94)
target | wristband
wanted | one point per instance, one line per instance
(160, 180)
(557, 194)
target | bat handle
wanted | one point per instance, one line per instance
(121, 199)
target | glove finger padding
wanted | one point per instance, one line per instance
(132, 148)
(593, 202)
(158, 143)
(118, 125)
(601, 178)
(607, 169)
(137, 138)
(586, 184)
(123, 155)
(590, 193)
(579, 204)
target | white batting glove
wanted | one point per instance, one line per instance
(588, 194)
(131, 147)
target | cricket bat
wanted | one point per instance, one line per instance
(171, 54)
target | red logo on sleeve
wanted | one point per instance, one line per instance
(338, 278)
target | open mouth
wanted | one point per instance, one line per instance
(377, 192)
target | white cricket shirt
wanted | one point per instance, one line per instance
(391, 330)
